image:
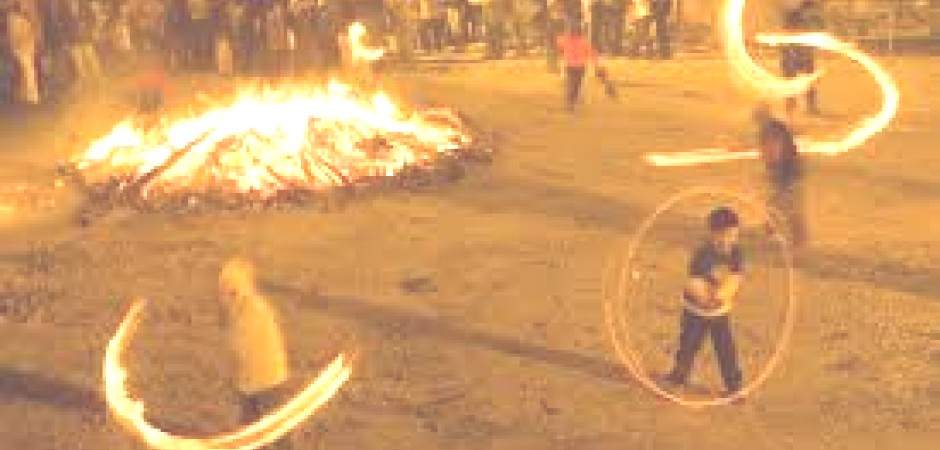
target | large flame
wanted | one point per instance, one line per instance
(268, 141)
(131, 413)
(770, 85)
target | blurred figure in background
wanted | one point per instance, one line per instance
(801, 16)
(578, 53)
(784, 169)
(497, 14)
(254, 332)
(660, 11)
(23, 39)
(279, 39)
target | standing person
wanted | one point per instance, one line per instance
(784, 173)
(23, 39)
(253, 327)
(801, 59)
(551, 18)
(617, 23)
(277, 29)
(497, 14)
(200, 34)
(406, 25)
(577, 54)
(599, 17)
(176, 26)
(715, 275)
(660, 11)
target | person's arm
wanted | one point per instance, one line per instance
(728, 288)
(698, 287)
(700, 291)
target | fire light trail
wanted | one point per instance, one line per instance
(758, 78)
(130, 412)
(357, 34)
(746, 69)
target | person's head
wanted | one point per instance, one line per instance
(237, 277)
(723, 228)
(762, 113)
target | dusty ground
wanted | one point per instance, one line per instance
(477, 308)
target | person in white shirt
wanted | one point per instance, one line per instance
(24, 41)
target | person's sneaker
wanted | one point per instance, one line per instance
(670, 382)
(737, 401)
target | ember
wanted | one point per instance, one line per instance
(272, 144)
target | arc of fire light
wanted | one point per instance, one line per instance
(758, 78)
(357, 34)
(130, 412)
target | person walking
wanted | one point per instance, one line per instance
(785, 172)
(254, 333)
(577, 54)
(23, 39)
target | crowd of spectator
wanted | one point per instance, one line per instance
(50, 47)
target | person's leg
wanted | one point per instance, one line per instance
(726, 352)
(269, 401)
(28, 85)
(691, 336)
(574, 76)
(78, 67)
(662, 36)
(809, 66)
(788, 68)
(251, 407)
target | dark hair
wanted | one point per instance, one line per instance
(722, 218)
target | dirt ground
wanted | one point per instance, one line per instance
(476, 308)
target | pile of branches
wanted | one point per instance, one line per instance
(434, 167)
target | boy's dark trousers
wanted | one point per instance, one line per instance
(694, 329)
(574, 78)
(256, 405)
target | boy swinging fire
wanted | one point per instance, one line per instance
(715, 275)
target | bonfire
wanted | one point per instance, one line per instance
(268, 146)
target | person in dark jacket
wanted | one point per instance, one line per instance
(784, 169)
(715, 275)
(800, 59)
(660, 11)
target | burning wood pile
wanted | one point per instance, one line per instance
(275, 148)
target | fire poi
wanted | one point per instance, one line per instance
(131, 413)
(271, 144)
(769, 85)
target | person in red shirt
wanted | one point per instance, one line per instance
(578, 53)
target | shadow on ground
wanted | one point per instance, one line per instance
(42, 389)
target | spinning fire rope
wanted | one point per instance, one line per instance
(744, 67)
(130, 412)
(357, 34)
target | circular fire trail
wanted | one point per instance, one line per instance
(756, 77)
(621, 271)
(275, 144)
(130, 412)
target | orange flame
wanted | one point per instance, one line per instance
(768, 84)
(130, 412)
(270, 141)
(357, 33)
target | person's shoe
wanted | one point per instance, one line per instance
(738, 398)
(670, 382)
